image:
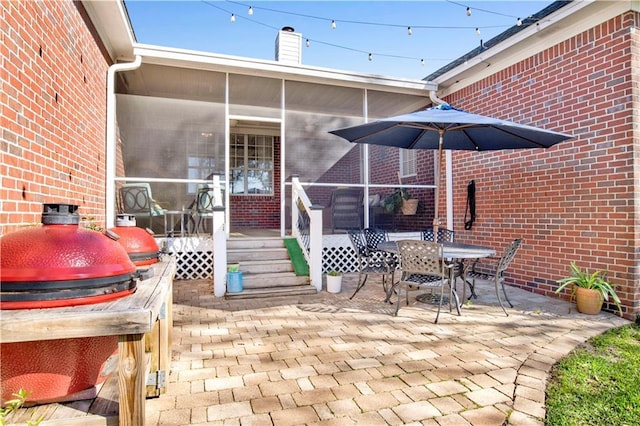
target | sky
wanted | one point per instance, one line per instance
(441, 30)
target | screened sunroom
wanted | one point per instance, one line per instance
(185, 118)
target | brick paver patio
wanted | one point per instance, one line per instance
(327, 360)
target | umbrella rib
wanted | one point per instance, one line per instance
(538, 144)
(356, 140)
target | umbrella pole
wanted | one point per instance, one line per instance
(436, 219)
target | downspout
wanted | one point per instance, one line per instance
(110, 195)
(449, 169)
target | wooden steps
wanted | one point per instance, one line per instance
(266, 269)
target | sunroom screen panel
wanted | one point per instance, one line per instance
(162, 138)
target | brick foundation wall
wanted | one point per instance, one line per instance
(575, 201)
(53, 98)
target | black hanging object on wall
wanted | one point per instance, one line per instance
(471, 205)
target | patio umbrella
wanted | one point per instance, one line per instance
(445, 127)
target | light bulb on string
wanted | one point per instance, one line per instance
(370, 57)
(409, 31)
(250, 12)
(477, 31)
(468, 11)
(307, 43)
(333, 24)
(233, 18)
(519, 22)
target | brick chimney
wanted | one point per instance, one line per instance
(289, 46)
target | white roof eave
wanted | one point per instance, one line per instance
(242, 65)
(576, 17)
(112, 24)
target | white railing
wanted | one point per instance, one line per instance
(306, 227)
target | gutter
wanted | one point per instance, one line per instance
(110, 188)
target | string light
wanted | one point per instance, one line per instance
(250, 9)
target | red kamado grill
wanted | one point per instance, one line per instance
(61, 264)
(58, 265)
(137, 242)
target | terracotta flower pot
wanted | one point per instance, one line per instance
(409, 207)
(588, 301)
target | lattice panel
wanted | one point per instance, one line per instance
(341, 259)
(195, 255)
(194, 265)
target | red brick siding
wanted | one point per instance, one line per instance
(575, 201)
(53, 112)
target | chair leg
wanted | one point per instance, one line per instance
(453, 296)
(360, 285)
(440, 304)
(399, 298)
(498, 282)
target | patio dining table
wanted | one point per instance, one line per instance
(457, 252)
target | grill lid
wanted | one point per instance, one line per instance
(40, 266)
(137, 242)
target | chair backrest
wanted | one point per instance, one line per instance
(136, 198)
(427, 234)
(444, 235)
(205, 199)
(508, 255)
(374, 236)
(421, 257)
(347, 208)
(357, 240)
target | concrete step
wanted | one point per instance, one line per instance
(254, 243)
(266, 269)
(247, 254)
(273, 280)
(269, 266)
(272, 292)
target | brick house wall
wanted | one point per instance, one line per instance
(575, 201)
(53, 98)
(259, 211)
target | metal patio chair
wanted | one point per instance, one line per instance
(422, 266)
(136, 200)
(369, 262)
(444, 234)
(493, 269)
(203, 207)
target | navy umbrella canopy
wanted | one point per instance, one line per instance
(445, 127)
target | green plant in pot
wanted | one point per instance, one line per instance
(589, 289)
(334, 281)
(394, 201)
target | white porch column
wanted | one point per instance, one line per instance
(315, 249)
(219, 252)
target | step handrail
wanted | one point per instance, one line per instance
(306, 227)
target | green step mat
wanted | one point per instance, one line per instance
(297, 257)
